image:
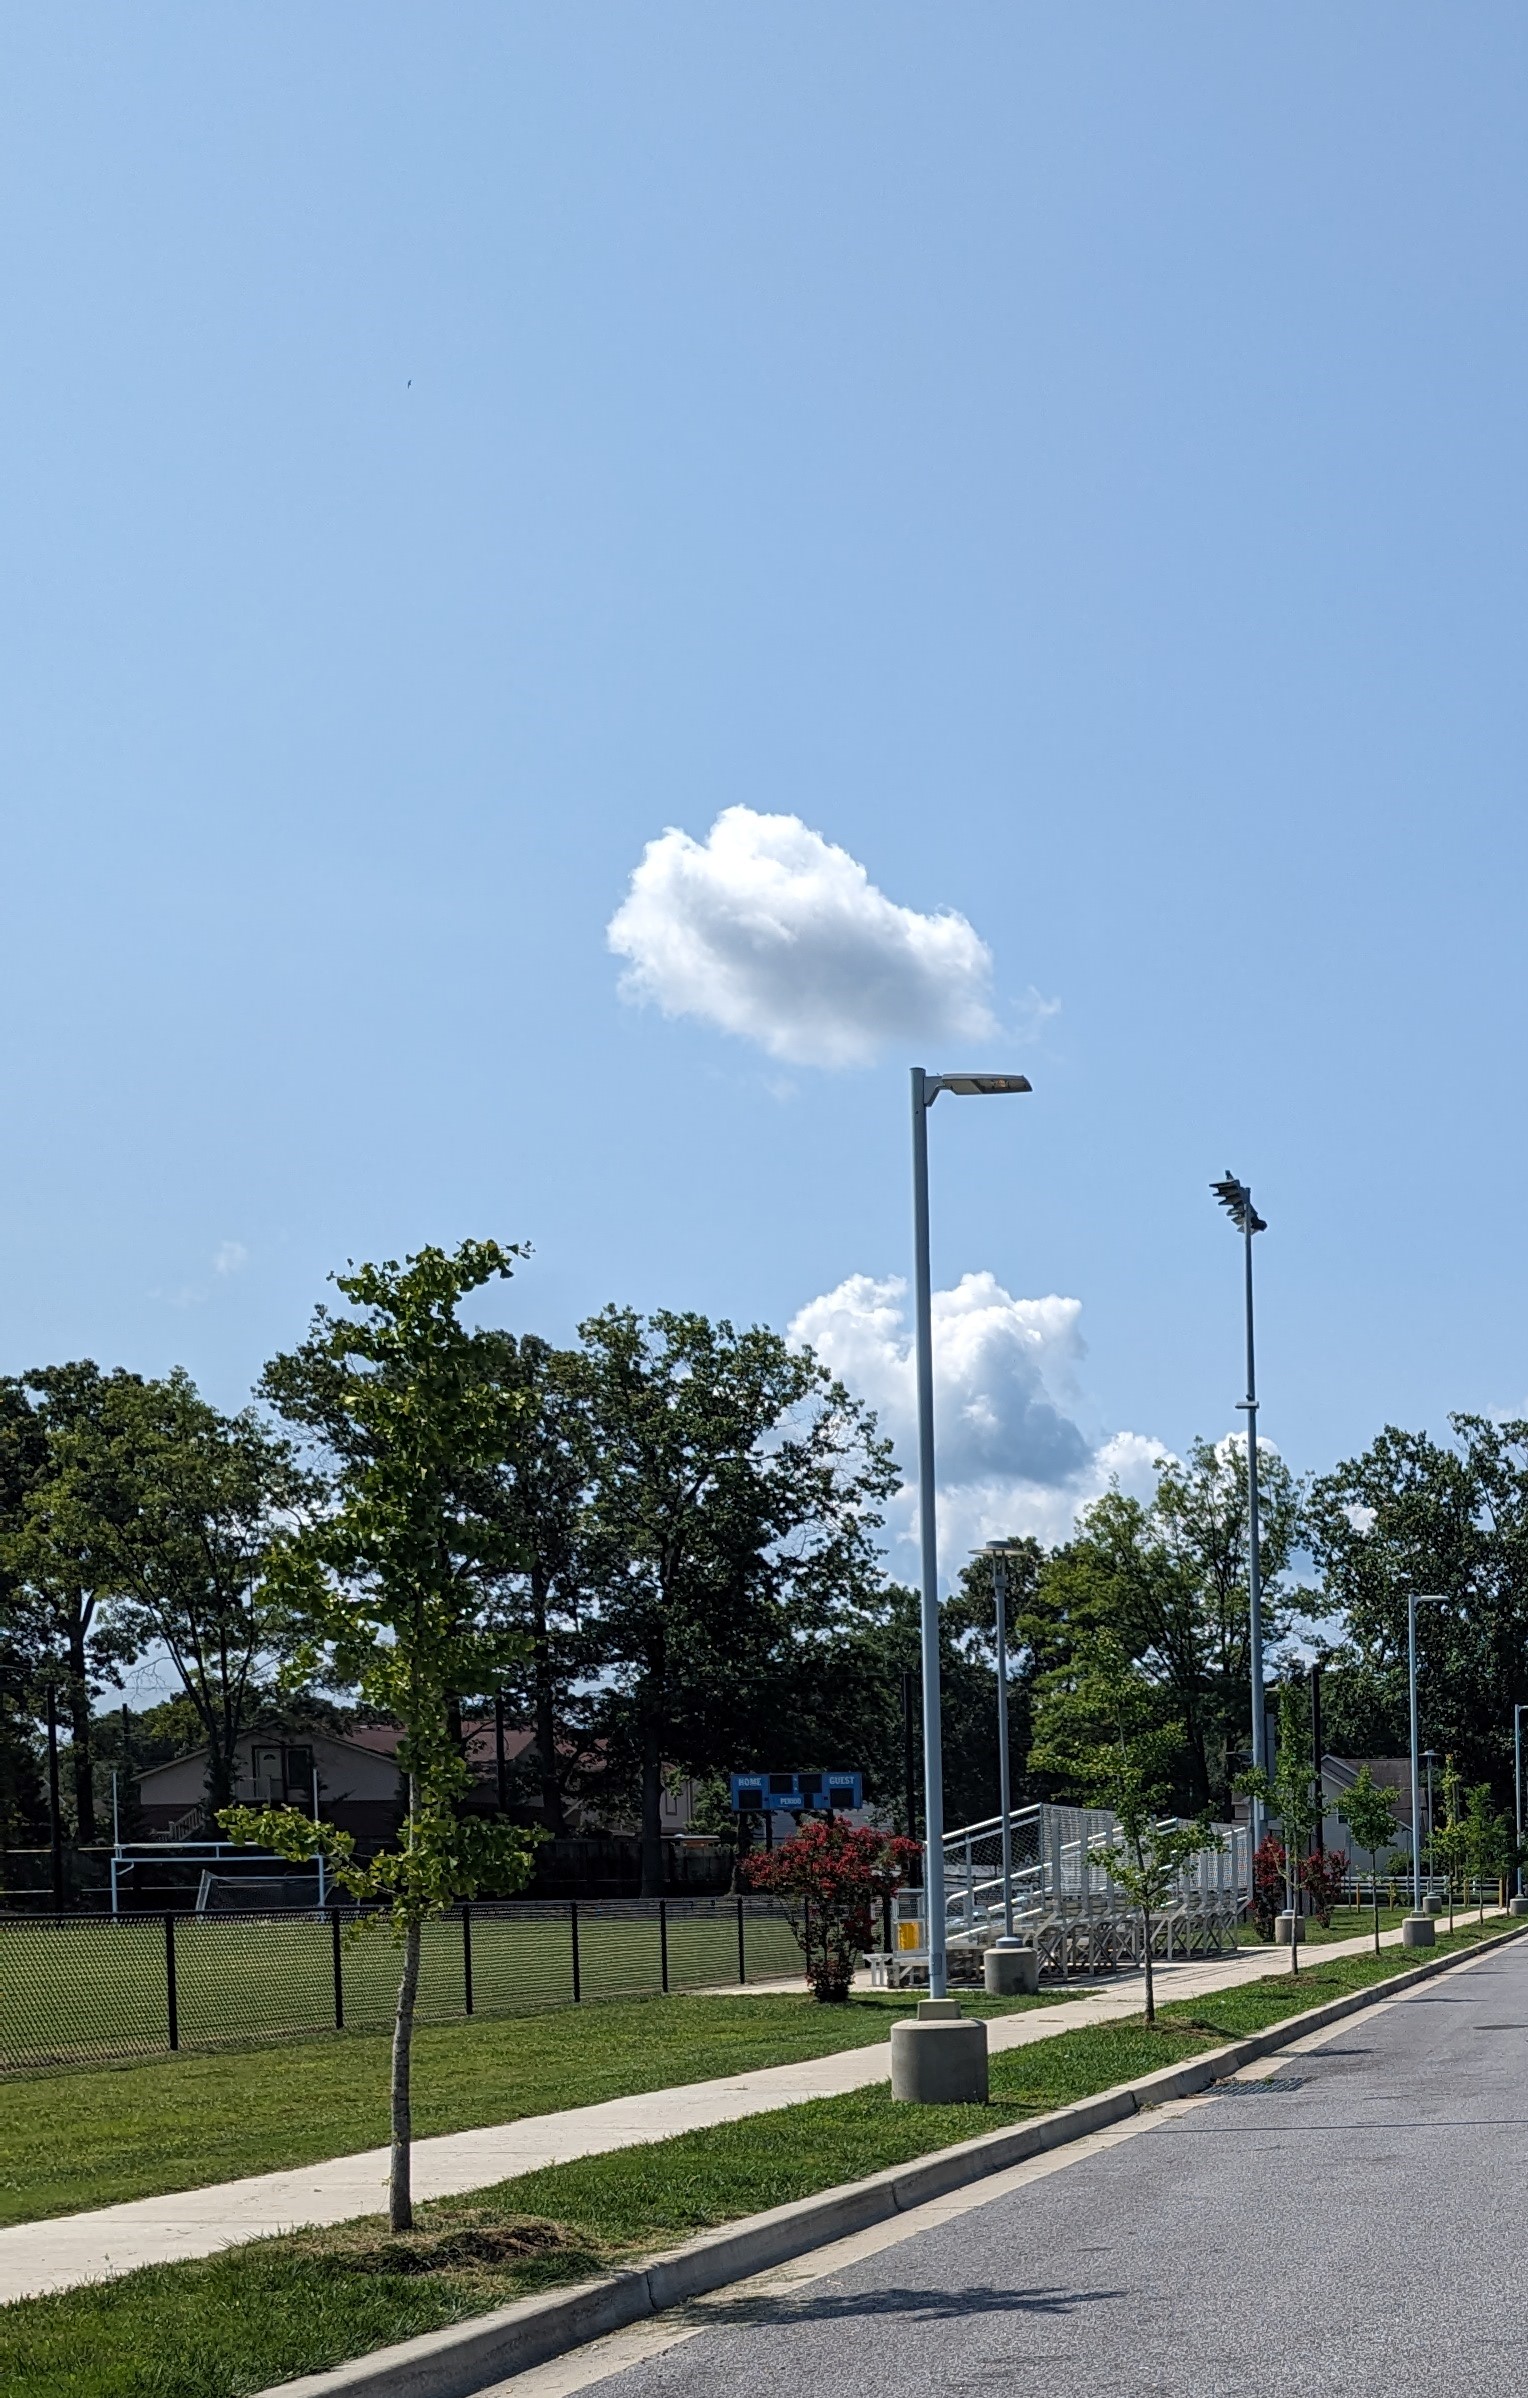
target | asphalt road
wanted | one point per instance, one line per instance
(1356, 2228)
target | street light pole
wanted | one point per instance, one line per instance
(1414, 1600)
(1236, 1198)
(925, 1090)
(1430, 1759)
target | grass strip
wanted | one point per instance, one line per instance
(264, 2313)
(89, 2138)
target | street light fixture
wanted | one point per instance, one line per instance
(1414, 1600)
(1236, 1198)
(925, 1090)
(999, 1552)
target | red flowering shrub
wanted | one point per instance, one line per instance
(1321, 1879)
(1267, 1885)
(830, 1876)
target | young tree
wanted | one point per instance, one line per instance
(1292, 1792)
(1452, 1842)
(392, 1583)
(1490, 1841)
(831, 1875)
(1369, 1813)
(1099, 1728)
(733, 1501)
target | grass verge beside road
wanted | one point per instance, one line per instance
(235, 2323)
(76, 2139)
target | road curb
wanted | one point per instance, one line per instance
(466, 2356)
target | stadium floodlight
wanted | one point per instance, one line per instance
(925, 1090)
(1235, 1197)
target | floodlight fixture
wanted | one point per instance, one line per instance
(1236, 1198)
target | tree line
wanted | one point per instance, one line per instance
(676, 1567)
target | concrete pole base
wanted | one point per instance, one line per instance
(940, 2059)
(1517, 1906)
(1287, 1929)
(1418, 1931)
(1011, 1969)
(1433, 1905)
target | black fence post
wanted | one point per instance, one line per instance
(339, 1970)
(886, 1921)
(742, 1951)
(663, 1943)
(467, 1957)
(171, 1995)
(578, 1989)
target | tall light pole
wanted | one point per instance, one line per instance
(1236, 1198)
(1517, 1782)
(998, 1551)
(925, 1090)
(1414, 1600)
(1430, 1759)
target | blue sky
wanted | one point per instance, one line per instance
(1071, 461)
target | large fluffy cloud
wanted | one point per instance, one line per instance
(1012, 1456)
(770, 931)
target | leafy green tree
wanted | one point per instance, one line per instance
(1294, 1795)
(1100, 1730)
(166, 1509)
(1169, 1582)
(1452, 1840)
(1489, 1842)
(733, 1500)
(1432, 1516)
(392, 1582)
(539, 1490)
(53, 1425)
(1369, 1813)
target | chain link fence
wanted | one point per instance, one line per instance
(86, 1989)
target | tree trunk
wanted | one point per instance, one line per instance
(1374, 1870)
(400, 2202)
(546, 1714)
(1151, 1988)
(652, 1816)
(79, 1730)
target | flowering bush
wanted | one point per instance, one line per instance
(1267, 1885)
(830, 1876)
(1321, 1879)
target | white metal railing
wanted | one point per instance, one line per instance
(1065, 1897)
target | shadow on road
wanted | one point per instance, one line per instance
(929, 2306)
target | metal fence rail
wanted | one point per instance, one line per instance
(82, 1989)
(1065, 1897)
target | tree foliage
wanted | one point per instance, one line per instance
(391, 1584)
(1168, 1582)
(1425, 1515)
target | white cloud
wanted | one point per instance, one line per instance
(1010, 1453)
(768, 930)
(230, 1257)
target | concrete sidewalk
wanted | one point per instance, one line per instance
(93, 2246)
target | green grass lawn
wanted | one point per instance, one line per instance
(95, 1988)
(84, 2139)
(1350, 1923)
(232, 2324)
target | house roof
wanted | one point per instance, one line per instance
(334, 1740)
